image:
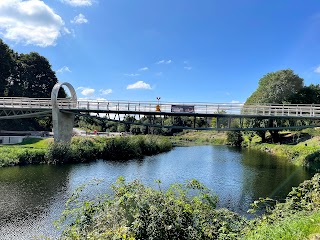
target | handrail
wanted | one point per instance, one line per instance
(287, 110)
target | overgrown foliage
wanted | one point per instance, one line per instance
(84, 149)
(295, 218)
(134, 211)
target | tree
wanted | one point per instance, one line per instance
(306, 95)
(34, 77)
(278, 88)
(6, 66)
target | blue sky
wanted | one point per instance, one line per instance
(179, 50)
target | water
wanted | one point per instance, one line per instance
(32, 197)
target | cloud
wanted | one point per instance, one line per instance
(63, 69)
(139, 85)
(78, 3)
(30, 22)
(144, 69)
(80, 19)
(159, 74)
(317, 69)
(105, 91)
(235, 101)
(164, 62)
(188, 68)
(132, 74)
(86, 91)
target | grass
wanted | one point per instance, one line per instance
(35, 142)
(298, 226)
(188, 138)
(303, 153)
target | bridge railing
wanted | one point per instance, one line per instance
(204, 108)
(302, 110)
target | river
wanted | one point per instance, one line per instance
(32, 197)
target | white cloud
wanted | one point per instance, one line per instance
(164, 62)
(105, 91)
(139, 85)
(80, 19)
(144, 69)
(235, 101)
(132, 74)
(86, 91)
(188, 68)
(30, 22)
(317, 70)
(78, 3)
(64, 69)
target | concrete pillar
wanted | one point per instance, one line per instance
(62, 122)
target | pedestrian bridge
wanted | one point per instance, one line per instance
(63, 111)
(11, 108)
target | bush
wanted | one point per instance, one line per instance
(59, 153)
(234, 138)
(134, 211)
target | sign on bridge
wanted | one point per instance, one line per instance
(182, 108)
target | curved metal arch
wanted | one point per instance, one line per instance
(55, 91)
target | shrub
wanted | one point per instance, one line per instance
(234, 138)
(59, 153)
(134, 211)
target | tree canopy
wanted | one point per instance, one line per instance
(25, 75)
(307, 95)
(276, 87)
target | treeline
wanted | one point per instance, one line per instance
(25, 75)
(281, 87)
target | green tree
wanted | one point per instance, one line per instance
(275, 88)
(306, 95)
(34, 77)
(6, 66)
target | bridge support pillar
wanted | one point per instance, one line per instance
(62, 122)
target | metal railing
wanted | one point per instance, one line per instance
(294, 110)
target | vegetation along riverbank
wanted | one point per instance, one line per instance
(82, 149)
(187, 211)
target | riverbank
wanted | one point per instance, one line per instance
(300, 148)
(82, 149)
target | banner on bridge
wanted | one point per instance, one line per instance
(182, 108)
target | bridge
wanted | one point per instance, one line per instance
(63, 111)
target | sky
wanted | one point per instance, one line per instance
(179, 50)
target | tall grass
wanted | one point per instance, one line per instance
(119, 148)
(10, 156)
(83, 149)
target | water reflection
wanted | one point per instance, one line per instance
(33, 197)
(27, 195)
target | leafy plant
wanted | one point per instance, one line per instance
(134, 211)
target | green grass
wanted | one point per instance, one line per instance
(188, 138)
(302, 154)
(298, 226)
(35, 142)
